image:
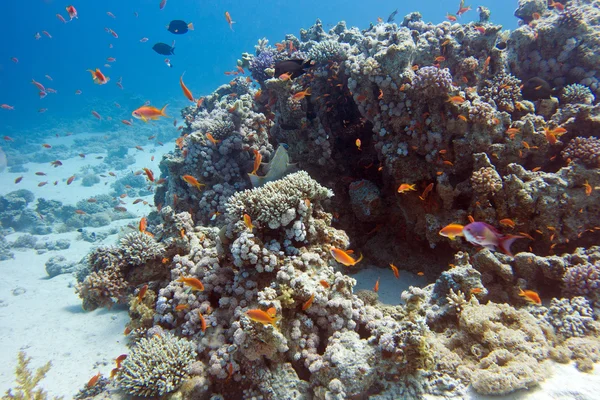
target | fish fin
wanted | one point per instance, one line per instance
(506, 241)
(144, 118)
(162, 111)
(359, 259)
(191, 26)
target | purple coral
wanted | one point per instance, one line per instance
(583, 280)
(585, 149)
(433, 81)
(258, 65)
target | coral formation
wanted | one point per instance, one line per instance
(27, 382)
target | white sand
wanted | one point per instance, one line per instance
(47, 320)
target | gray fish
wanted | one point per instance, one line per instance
(536, 88)
(278, 168)
(294, 67)
(179, 27)
(392, 16)
(164, 49)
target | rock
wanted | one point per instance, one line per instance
(58, 265)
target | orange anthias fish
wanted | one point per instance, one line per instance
(324, 283)
(258, 315)
(395, 271)
(257, 161)
(148, 112)
(143, 224)
(193, 181)
(376, 287)
(186, 92)
(308, 303)
(229, 21)
(248, 222)
(530, 296)
(92, 382)
(507, 222)
(149, 174)
(210, 137)
(98, 77)
(452, 231)
(301, 95)
(142, 292)
(406, 187)
(192, 282)
(342, 257)
(426, 191)
(202, 322)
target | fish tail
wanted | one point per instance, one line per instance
(162, 111)
(191, 26)
(506, 241)
(359, 258)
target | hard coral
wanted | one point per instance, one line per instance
(504, 90)
(486, 181)
(138, 248)
(577, 94)
(583, 280)
(571, 318)
(156, 366)
(259, 64)
(432, 81)
(585, 149)
(325, 51)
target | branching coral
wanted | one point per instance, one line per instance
(156, 366)
(571, 318)
(432, 81)
(486, 181)
(27, 382)
(138, 248)
(504, 90)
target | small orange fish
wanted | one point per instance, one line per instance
(452, 231)
(556, 4)
(98, 77)
(258, 315)
(456, 100)
(343, 258)
(210, 137)
(376, 287)
(193, 181)
(480, 29)
(248, 222)
(92, 382)
(192, 282)
(149, 174)
(440, 58)
(46, 146)
(257, 161)
(143, 224)
(308, 303)
(530, 296)
(142, 292)
(380, 95)
(324, 283)
(186, 92)
(486, 63)
(146, 113)
(588, 188)
(181, 307)
(301, 95)
(451, 17)
(202, 322)
(426, 191)
(70, 180)
(406, 187)
(476, 290)
(229, 21)
(420, 273)
(358, 143)
(395, 270)
(507, 222)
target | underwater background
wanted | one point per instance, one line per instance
(312, 200)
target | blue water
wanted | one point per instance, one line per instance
(204, 53)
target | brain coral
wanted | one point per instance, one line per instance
(156, 366)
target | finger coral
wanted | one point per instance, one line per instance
(156, 366)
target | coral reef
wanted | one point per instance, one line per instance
(27, 381)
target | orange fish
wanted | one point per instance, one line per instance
(258, 315)
(149, 174)
(143, 224)
(212, 139)
(358, 143)
(507, 222)
(556, 4)
(342, 257)
(46, 146)
(324, 283)
(406, 187)
(248, 222)
(70, 180)
(229, 21)
(92, 382)
(420, 273)
(146, 113)
(98, 77)
(72, 12)
(202, 322)
(395, 270)
(181, 307)
(530, 296)
(452, 231)
(80, 212)
(142, 292)
(440, 58)
(426, 191)
(193, 181)
(588, 188)
(186, 92)
(456, 100)
(451, 17)
(476, 290)
(192, 282)
(301, 95)
(308, 303)
(257, 161)
(480, 29)
(376, 287)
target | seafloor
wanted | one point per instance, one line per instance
(236, 285)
